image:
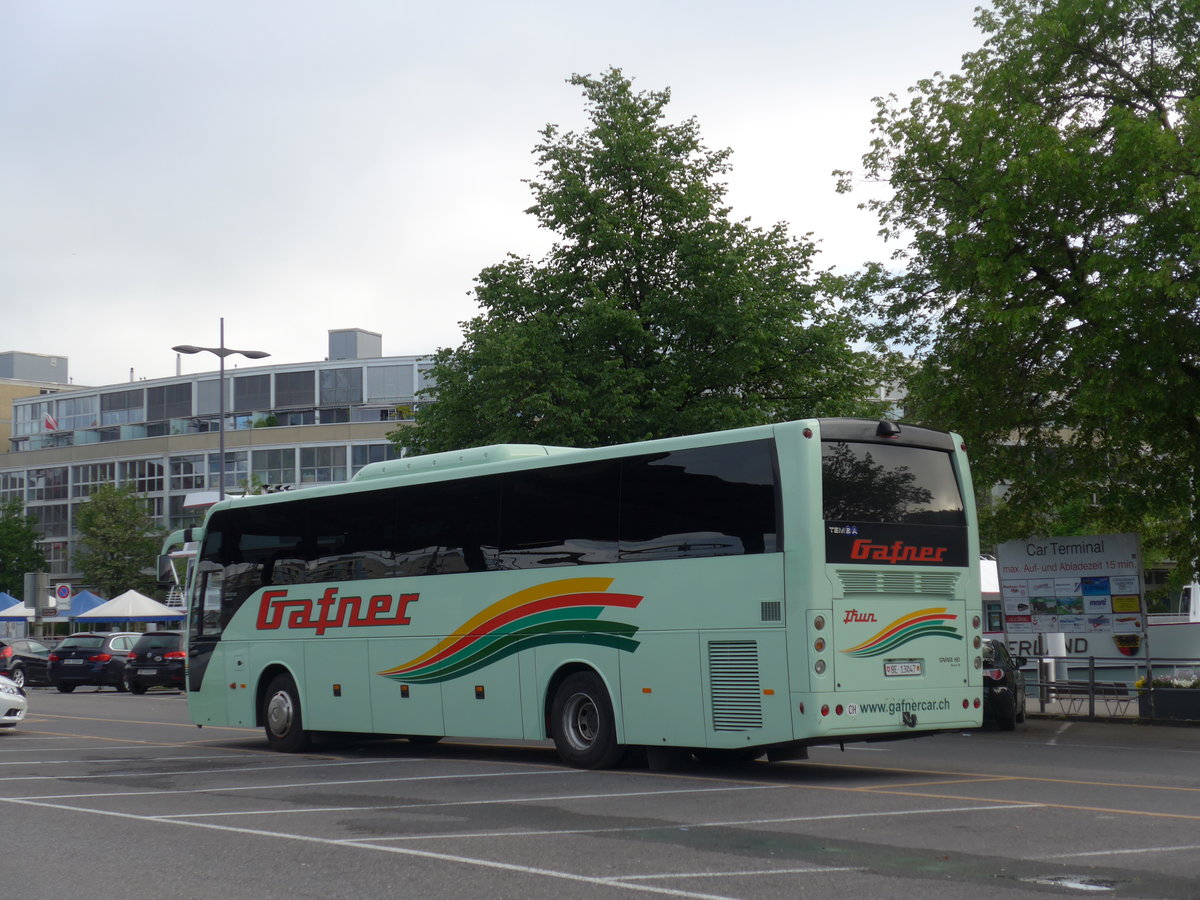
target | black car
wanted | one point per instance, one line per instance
(91, 658)
(157, 659)
(24, 661)
(1003, 686)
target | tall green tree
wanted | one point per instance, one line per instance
(654, 313)
(1046, 202)
(118, 542)
(19, 550)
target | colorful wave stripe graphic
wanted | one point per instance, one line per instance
(558, 611)
(920, 624)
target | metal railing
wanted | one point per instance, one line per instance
(1118, 685)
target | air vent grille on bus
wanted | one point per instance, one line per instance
(868, 582)
(771, 611)
(734, 685)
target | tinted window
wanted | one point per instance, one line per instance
(166, 641)
(894, 484)
(353, 536)
(560, 516)
(707, 501)
(448, 527)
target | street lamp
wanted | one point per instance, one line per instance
(222, 351)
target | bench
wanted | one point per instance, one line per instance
(1073, 696)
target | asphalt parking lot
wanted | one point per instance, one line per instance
(104, 788)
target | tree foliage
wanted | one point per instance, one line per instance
(118, 542)
(1047, 203)
(653, 314)
(19, 550)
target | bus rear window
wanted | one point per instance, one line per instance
(889, 483)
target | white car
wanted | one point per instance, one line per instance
(13, 704)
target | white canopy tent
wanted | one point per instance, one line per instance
(130, 607)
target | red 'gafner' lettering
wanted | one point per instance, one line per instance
(332, 611)
(896, 552)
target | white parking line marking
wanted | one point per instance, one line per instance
(452, 803)
(1062, 729)
(403, 851)
(286, 786)
(266, 765)
(1127, 851)
(808, 870)
(66, 762)
(719, 824)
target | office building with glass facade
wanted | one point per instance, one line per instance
(287, 425)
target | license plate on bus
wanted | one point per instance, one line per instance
(902, 667)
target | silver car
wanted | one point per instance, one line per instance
(13, 704)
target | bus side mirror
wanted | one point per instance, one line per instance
(166, 571)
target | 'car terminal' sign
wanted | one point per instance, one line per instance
(1073, 586)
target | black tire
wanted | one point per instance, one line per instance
(1007, 720)
(17, 674)
(1021, 708)
(282, 718)
(582, 723)
(65, 688)
(135, 687)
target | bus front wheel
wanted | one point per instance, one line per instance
(282, 718)
(582, 723)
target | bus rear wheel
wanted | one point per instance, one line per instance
(282, 718)
(582, 723)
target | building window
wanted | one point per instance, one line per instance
(143, 475)
(181, 516)
(295, 388)
(86, 478)
(252, 392)
(322, 464)
(365, 454)
(77, 412)
(187, 473)
(122, 407)
(57, 556)
(237, 469)
(12, 486)
(48, 484)
(389, 383)
(341, 386)
(170, 401)
(208, 397)
(275, 466)
(53, 521)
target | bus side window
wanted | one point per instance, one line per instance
(707, 501)
(448, 527)
(560, 516)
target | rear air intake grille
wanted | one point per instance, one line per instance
(771, 611)
(734, 687)
(942, 584)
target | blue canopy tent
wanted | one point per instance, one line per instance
(84, 601)
(13, 610)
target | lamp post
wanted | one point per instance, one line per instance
(221, 351)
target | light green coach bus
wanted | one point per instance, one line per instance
(733, 594)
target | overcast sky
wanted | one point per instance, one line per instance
(301, 166)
